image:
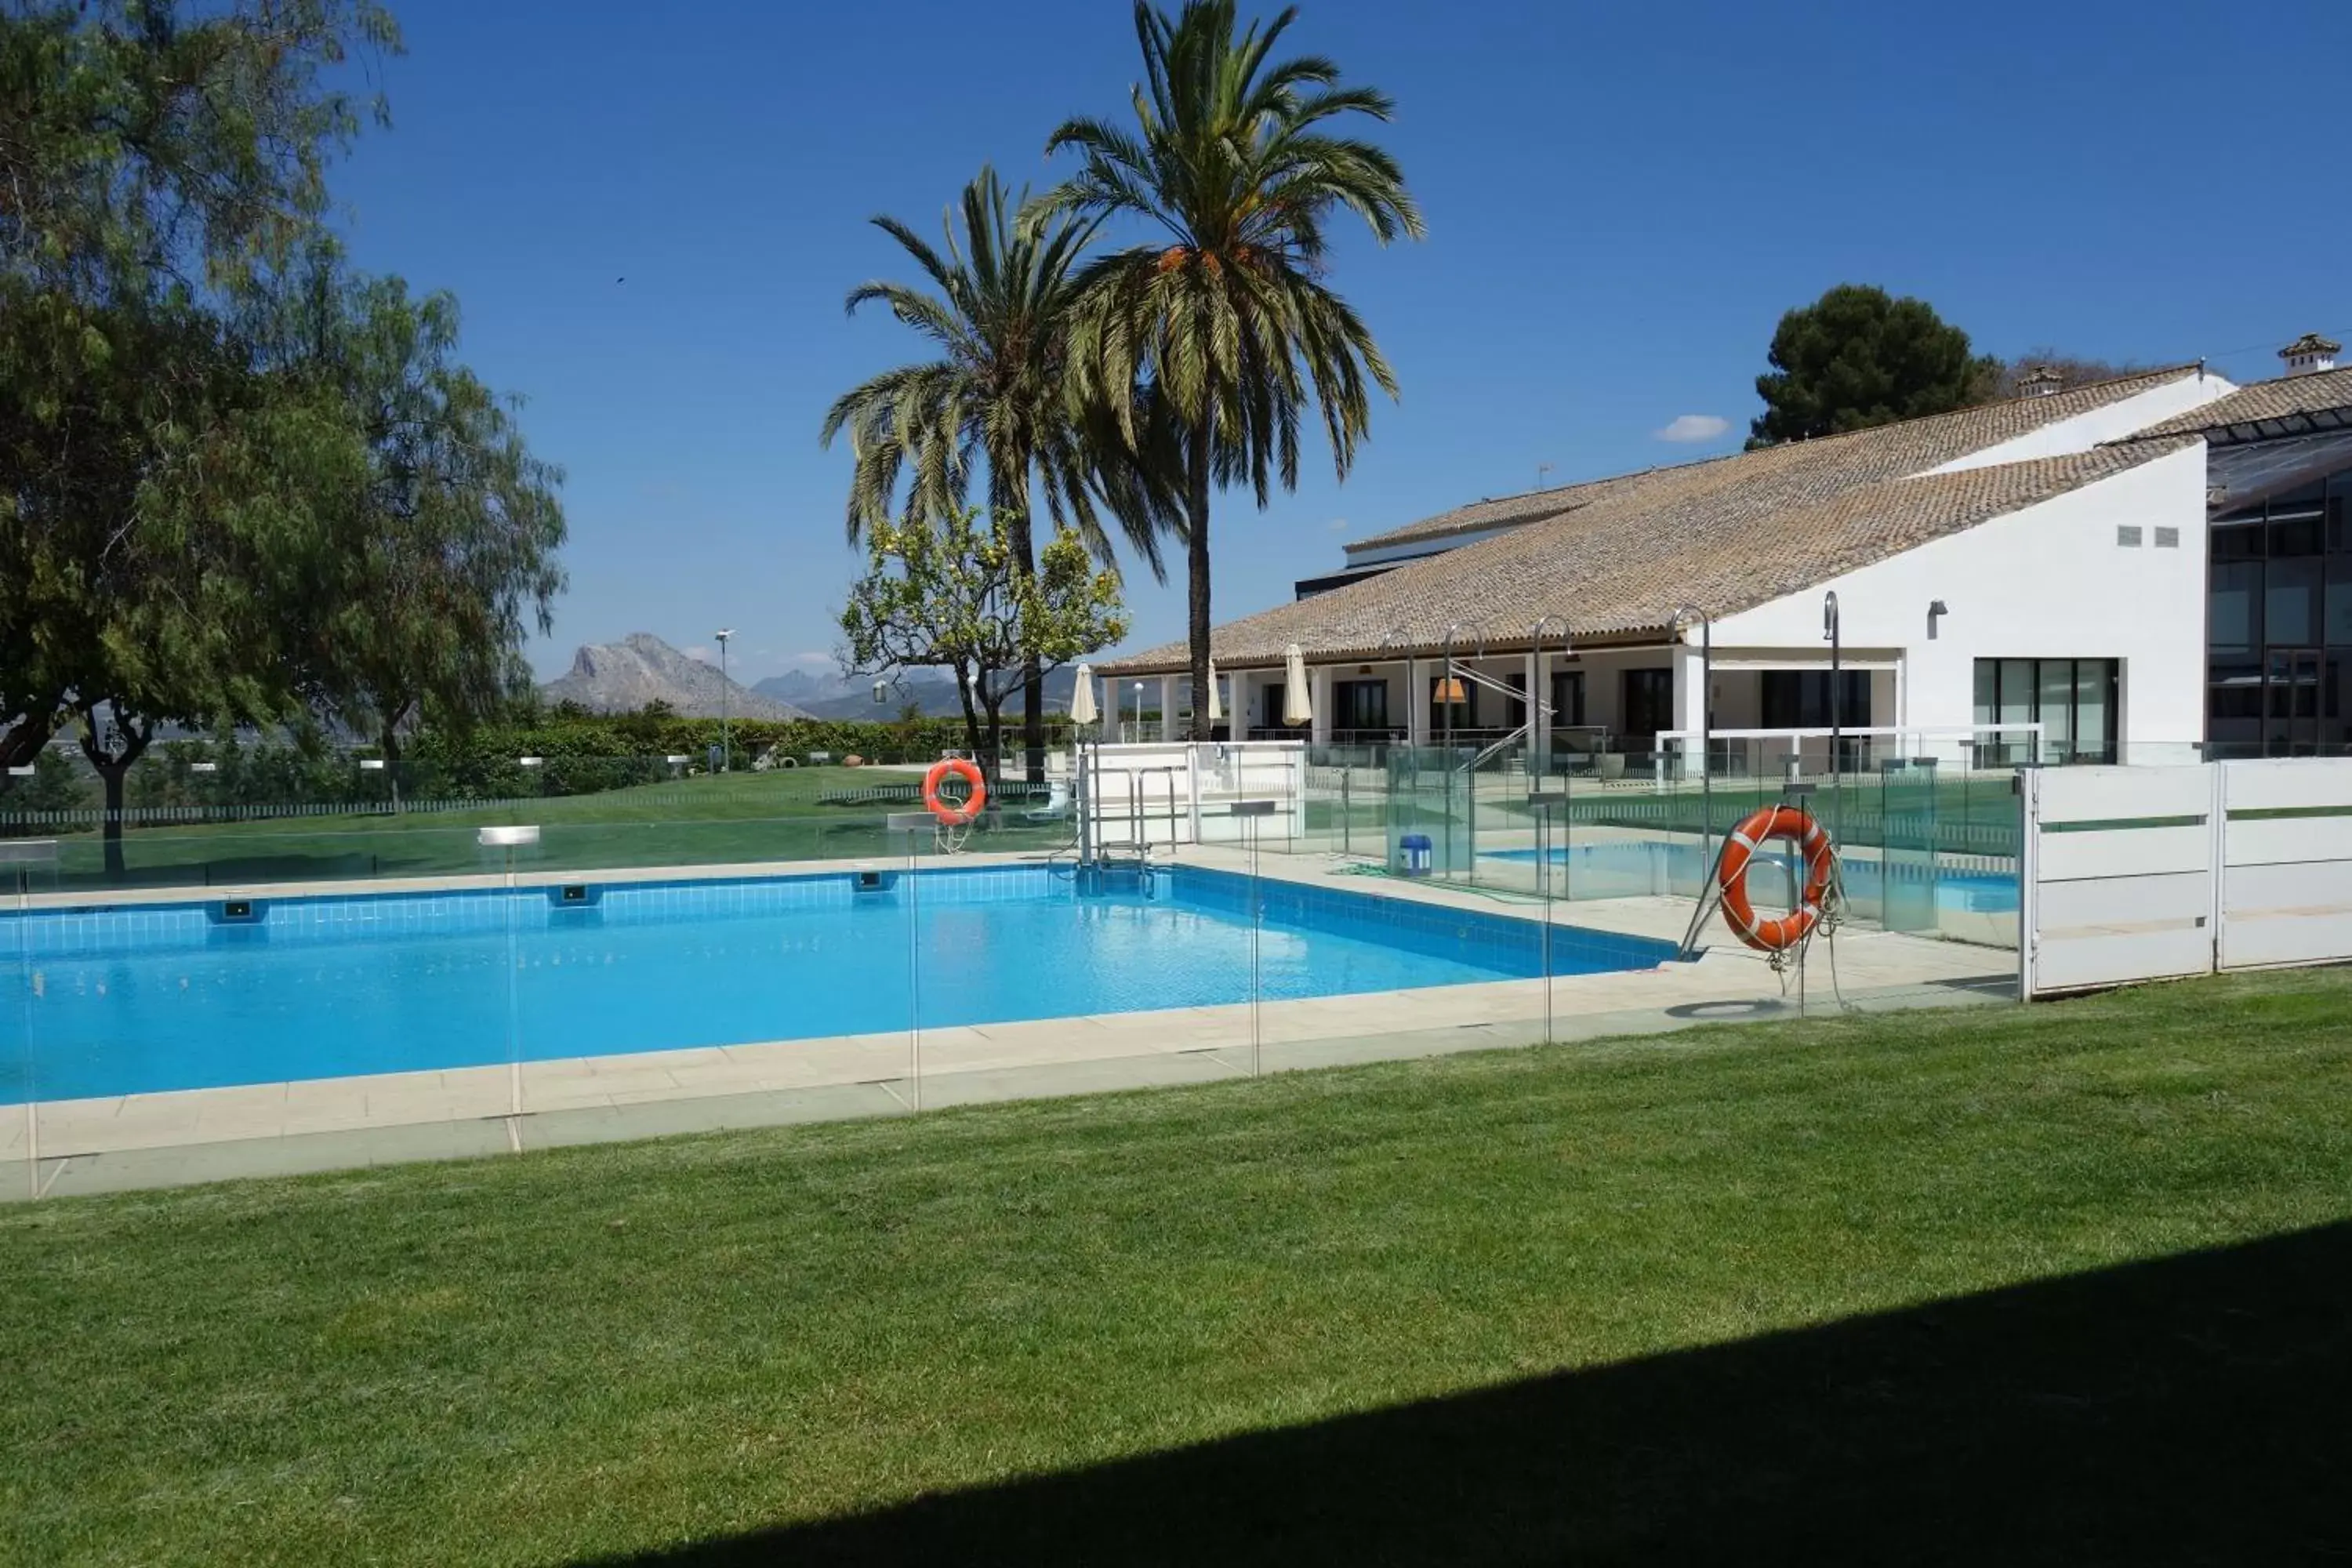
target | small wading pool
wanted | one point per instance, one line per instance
(167, 997)
(1617, 870)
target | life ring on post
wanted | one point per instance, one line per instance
(1756, 829)
(949, 813)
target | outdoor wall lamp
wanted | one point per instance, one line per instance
(1936, 611)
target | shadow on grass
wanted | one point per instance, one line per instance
(2197, 1409)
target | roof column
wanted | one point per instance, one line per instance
(1416, 705)
(1690, 691)
(1168, 731)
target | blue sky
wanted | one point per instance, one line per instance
(1621, 200)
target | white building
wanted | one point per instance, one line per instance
(2049, 561)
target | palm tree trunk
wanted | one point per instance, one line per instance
(1013, 514)
(1196, 563)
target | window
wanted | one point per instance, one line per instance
(2291, 602)
(1567, 698)
(1649, 705)
(2233, 616)
(2073, 700)
(1465, 713)
(1359, 705)
(2128, 535)
(2279, 622)
(1799, 698)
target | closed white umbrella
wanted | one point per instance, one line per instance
(1082, 696)
(1216, 708)
(1297, 709)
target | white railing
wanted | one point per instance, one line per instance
(1758, 753)
(1147, 795)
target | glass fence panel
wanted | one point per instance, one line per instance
(27, 881)
(725, 986)
(687, 949)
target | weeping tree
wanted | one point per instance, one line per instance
(953, 594)
(998, 401)
(160, 162)
(1221, 330)
(443, 556)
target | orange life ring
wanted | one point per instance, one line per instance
(955, 767)
(1792, 822)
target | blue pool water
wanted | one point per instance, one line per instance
(178, 996)
(1611, 870)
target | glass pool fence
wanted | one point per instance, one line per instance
(231, 984)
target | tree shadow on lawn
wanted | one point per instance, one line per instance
(2196, 1409)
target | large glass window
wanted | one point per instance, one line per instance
(1567, 698)
(2234, 613)
(1359, 705)
(2291, 602)
(1649, 706)
(2073, 700)
(1457, 715)
(2279, 622)
(1799, 698)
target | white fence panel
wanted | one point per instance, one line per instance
(2118, 875)
(2286, 853)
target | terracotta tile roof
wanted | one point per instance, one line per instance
(1953, 434)
(1724, 536)
(1505, 511)
(2288, 406)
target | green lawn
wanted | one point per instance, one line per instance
(1602, 1301)
(695, 821)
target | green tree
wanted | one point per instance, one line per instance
(997, 396)
(441, 557)
(1858, 357)
(1222, 332)
(953, 595)
(159, 162)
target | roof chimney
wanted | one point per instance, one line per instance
(2309, 354)
(2040, 381)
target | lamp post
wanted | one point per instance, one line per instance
(726, 731)
(1139, 711)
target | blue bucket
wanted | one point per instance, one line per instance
(1412, 853)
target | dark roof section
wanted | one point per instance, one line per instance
(2240, 476)
(2290, 406)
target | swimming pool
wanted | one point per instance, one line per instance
(1620, 869)
(129, 1000)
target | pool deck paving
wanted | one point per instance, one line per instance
(114, 1142)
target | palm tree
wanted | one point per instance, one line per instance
(1224, 324)
(998, 396)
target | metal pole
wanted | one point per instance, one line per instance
(1831, 629)
(726, 729)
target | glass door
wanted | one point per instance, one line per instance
(2291, 720)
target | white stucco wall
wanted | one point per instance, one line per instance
(2049, 581)
(2112, 423)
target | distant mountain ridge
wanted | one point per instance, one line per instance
(641, 669)
(831, 696)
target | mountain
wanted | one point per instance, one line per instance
(622, 677)
(831, 696)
